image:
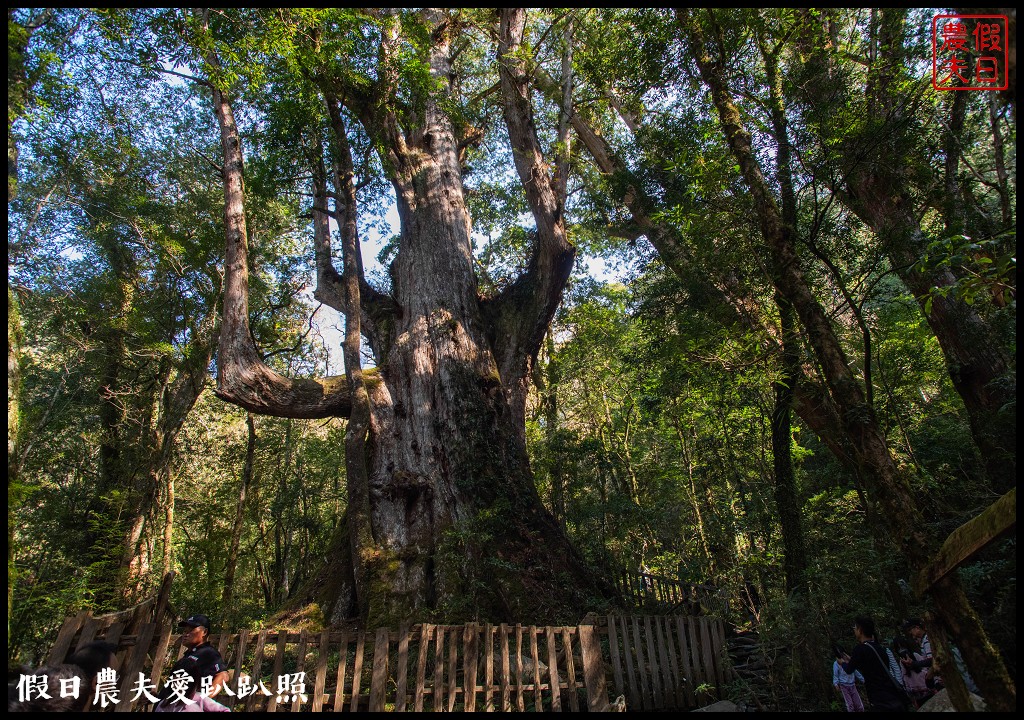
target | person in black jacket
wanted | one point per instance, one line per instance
(205, 658)
(873, 662)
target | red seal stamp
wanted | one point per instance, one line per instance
(970, 52)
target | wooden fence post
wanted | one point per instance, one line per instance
(379, 678)
(593, 669)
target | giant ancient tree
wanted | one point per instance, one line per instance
(450, 520)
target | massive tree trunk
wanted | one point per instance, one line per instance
(457, 529)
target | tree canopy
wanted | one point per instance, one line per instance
(727, 296)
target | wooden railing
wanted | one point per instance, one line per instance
(656, 662)
(667, 595)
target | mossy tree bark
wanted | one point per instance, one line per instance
(454, 526)
(14, 491)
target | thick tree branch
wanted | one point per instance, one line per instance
(242, 376)
(521, 315)
(328, 280)
(357, 478)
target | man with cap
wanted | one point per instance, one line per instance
(202, 655)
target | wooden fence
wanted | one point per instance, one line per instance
(662, 662)
(667, 595)
(656, 662)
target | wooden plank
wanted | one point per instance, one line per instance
(707, 658)
(538, 701)
(163, 598)
(520, 700)
(438, 692)
(718, 653)
(113, 636)
(676, 683)
(570, 670)
(470, 657)
(730, 670)
(320, 680)
(61, 646)
(257, 668)
(282, 641)
(89, 630)
(635, 696)
(453, 666)
(488, 668)
(357, 671)
(667, 684)
(230, 652)
(593, 669)
(300, 666)
(699, 671)
(646, 696)
(402, 681)
(505, 670)
(718, 625)
(556, 685)
(243, 645)
(339, 688)
(652, 659)
(685, 667)
(426, 632)
(222, 645)
(708, 649)
(160, 654)
(969, 539)
(133, 666)
(379, 678)
(616, 659)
